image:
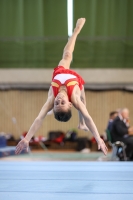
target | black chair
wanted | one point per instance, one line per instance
(118, 149)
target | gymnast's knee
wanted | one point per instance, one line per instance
(67, 55)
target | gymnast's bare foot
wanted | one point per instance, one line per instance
(79, 25)
(83, 127)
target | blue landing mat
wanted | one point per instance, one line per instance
(9, 151)
(66, 180)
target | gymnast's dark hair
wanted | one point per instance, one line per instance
(63, 116)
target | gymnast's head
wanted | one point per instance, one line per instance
(62, 108)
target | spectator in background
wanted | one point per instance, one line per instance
(112, 116)
(121, 131)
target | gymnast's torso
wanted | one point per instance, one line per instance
(66, 79)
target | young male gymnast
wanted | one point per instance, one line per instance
(66, 90)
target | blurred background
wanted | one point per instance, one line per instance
(32, 37)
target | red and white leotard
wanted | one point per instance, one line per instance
(67, 77)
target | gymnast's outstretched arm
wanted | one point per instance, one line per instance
(24, 143)
(89, 123)
(82, 124)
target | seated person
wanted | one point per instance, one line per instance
(112, 116)
(121, 131)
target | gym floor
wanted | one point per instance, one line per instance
(59, 178)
